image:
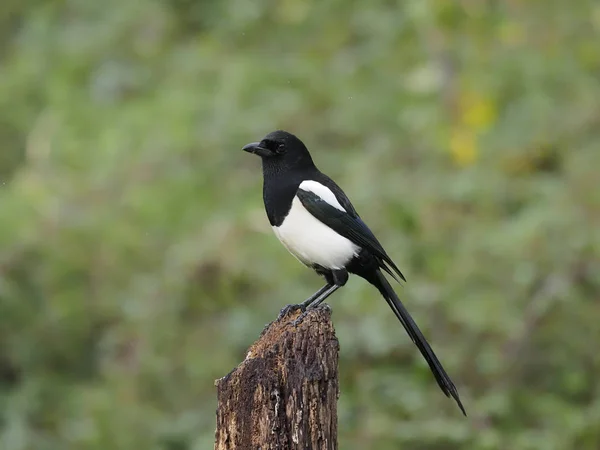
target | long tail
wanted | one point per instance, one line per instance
(417, 337)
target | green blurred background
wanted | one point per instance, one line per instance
(137, 264)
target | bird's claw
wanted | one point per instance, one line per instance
(300, 318)
(305, 311)
(290, 308)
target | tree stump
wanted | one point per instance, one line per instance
(284, 394)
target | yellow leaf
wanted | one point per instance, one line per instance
(477, 111)
(463, 146)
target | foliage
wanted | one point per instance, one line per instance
(136, 264)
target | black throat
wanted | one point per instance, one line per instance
(280, 183)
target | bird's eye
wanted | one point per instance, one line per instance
(269, 144)
(280, 150)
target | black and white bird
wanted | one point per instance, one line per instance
(315, 221)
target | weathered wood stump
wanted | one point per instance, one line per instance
(284, 394)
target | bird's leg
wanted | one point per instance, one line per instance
(339, 278)
(313, 297)
(302, 306)
(321, 298)
(335, 280)
(317, 301)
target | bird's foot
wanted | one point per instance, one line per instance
(300, 318)
(320, 306)
(306, 310)
(290, 308)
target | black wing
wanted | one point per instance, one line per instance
(348, 224)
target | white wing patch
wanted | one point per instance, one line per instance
(322, 191)
(309, 239)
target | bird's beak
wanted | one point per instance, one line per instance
(254, 147)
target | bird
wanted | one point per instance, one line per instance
(316, 222)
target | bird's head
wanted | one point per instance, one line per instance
(282, 149)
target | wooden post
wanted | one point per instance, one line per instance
(284, 394)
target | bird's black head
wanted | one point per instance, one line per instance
(280, 150)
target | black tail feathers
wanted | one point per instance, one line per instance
(417, 337)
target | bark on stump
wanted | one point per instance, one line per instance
(284, 394)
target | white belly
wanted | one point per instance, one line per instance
(313, 242)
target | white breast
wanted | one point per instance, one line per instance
(313, 242)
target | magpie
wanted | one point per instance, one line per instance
(314, 219)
